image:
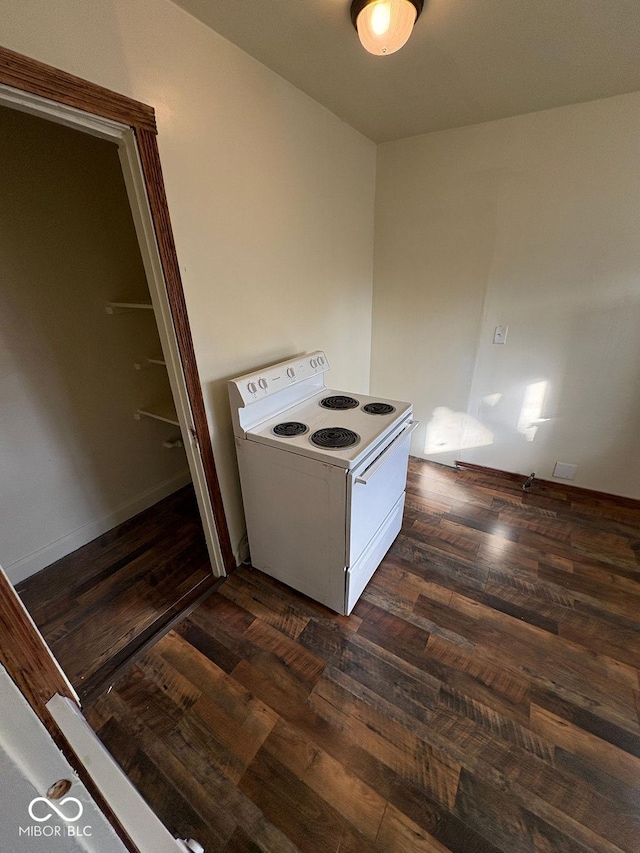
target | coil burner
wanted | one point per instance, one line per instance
(339, 401)
(334, 438)
(290, 428)
(378, 409)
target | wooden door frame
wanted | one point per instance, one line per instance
(36, 78)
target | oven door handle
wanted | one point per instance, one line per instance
(380, 461)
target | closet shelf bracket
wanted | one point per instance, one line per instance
(160, 412)
(150, 362)
(172, 443)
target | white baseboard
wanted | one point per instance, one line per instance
(43, 557)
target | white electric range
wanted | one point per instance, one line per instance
(323, 477)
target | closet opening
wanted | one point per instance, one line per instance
(108, 530)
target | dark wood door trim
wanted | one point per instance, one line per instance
(26, 656)
(35, 77)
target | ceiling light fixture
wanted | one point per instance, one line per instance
(384, 26)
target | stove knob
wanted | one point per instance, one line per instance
(252, 387)
(313, 363)
(291, 373)
(263, 384)
(320, 360)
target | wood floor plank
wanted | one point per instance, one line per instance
(436, 566)
(475, 675)
(570, 737)
(225, 800)
(170, 802)
(397, 578)
(218, 690)
(398, 832)
(492, 812)
(338, 698)
(597, 724)
(322, 773)
(170, 765)
(306, 666)
(550, 660)
(561, 800)
(500, 726)
(304, 816)
(266, 605)
(410, 688)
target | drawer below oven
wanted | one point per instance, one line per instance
(359, 575)
(374, 492)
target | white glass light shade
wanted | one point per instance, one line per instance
(384, 26)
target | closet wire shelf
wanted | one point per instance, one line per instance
(124, 307)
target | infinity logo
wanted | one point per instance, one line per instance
(56, 809)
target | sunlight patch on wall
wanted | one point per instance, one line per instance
(492, 399)
(449, 431)
(531, 411)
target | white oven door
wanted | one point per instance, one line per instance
(374, 491)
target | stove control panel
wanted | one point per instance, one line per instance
(271, 380)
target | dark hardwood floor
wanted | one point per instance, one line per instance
(98, 605)
(482, 697)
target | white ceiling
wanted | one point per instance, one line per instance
(467, 61)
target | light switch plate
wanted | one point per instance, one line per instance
(500, 335)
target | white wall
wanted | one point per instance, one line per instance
(529, 222)
(74, 461)
(431, 251)
(271, 196)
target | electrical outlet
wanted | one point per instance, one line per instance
(500, 335)
(565, 470)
